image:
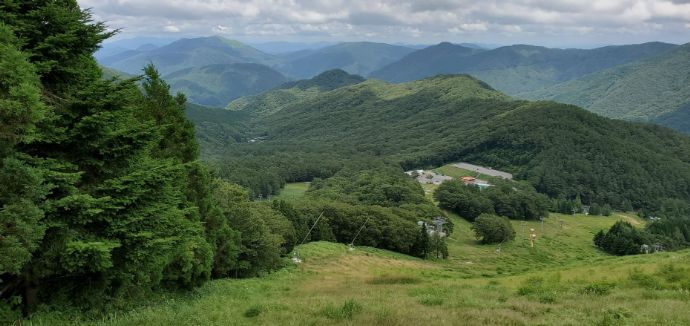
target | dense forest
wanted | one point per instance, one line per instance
(563, 151)
(514, 200)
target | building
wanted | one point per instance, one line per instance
(472, 181)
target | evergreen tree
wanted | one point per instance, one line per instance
(101, 194)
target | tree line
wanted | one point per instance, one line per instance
(668, 230)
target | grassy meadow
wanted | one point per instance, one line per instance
(292, 191)
(563, 280)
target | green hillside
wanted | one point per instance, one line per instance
(189, 53)
(562, 150)
(359, 58)
(216, 85)
(562, 281)
(292, 92)
(644, 91)
(517, 68)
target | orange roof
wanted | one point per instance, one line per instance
(468, 179)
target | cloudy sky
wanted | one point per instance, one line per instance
(561, 23)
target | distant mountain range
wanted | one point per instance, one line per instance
(655, 89)
(216, 85)
(641, 82)
(207, 69)
(188, 53)
(360, 58)
(516, 68)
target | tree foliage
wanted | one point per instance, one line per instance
(102, 196)
(510, 199)
(493, 229)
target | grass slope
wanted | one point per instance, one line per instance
(563, 281)
(644, 90)
(292, 191)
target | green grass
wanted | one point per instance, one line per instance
(292, 191)
(562, 281)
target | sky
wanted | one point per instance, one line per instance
(555, 23)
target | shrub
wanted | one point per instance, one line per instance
(493, 229)
(394, 279)
(347, 311)
(253, 311)
(598, 288)
(622, 239)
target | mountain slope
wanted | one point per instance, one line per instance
(188, 53)
(644, 90)
(293, 92)
(564, 151)
(216, 85)
(517, 68)
(359, 58)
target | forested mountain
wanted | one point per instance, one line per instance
(188, 53)
(292, 92)
(656, 89)
(359, 58)
(517, 68)
(216, 85)
(564, 151)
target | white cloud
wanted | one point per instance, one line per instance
(171, 29)
(391, 19)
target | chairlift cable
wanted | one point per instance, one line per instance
(312, 227)
(360, 230)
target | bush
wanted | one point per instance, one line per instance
(493, 229)
(347, 311)
(253, 311)
(622, 239)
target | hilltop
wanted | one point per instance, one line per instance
(292, 92)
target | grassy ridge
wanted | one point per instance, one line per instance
(563, 281)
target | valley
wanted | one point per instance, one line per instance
(344, 163)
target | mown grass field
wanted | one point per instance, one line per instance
(292, 191)
(562, 281)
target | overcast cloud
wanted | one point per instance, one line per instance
(546, 22)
